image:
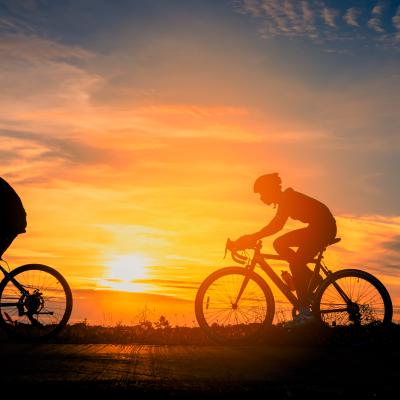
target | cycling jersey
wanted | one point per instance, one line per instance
(303, 208)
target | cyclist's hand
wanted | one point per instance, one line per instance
(245, 242)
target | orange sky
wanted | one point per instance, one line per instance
(134, 149)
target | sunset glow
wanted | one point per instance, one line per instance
(124, 272)
(133, 134)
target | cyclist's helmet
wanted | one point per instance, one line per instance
(267, 182)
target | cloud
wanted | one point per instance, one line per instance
(393, 244)
(35, 146)
(170, 283)
(378, 9)
(19, 41)
(308, 14)
(42, 85)
(329, 15)
(351, 16)
(370, 243)
(320, 23)
(248, 6)
(41, 159)
(289, 18)
(375, 23)
(9, 25)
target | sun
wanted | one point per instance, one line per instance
(124, 271)
(128, 267)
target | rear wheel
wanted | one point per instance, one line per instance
(43, 310)
(352, 297)
(226, 320)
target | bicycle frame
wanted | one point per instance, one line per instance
(260, 259)
(14, 281)
(23, 291)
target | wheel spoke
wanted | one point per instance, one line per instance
(43, 311)
(369, 303)
(222, 318)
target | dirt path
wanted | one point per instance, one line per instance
(202, 370)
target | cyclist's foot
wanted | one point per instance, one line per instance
(305, 317)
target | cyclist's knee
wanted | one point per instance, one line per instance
(283, 249)
(280, 246)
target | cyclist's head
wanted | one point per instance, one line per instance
(269, 187)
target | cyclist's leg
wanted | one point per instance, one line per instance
(303, 239)
(301, 273)
(283, 244)
(6, 238)
(314, 238)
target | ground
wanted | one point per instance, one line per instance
(352, 367)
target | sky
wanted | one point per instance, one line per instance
(133, 132)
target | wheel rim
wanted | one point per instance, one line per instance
(229, 320)
(40, 312)
(366, 304)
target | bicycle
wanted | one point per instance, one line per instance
(35, 302)
(236, 305)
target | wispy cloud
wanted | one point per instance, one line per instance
(329, 16)
(248, 6)
(393, 244)
(41, 80)
(308, 13)
(39, 147)
(371, 243)
(351, 16)
(375, 22)
(20, 41)
(170, 283)
(378, 9)
(12, 25)
(321, 22)
(289, 18)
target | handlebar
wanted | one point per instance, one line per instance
(239, 258)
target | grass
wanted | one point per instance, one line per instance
(124, 334)
(163, 334)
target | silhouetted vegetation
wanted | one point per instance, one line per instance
(161, 332)
(146, 332)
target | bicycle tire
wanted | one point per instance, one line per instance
(370, 300)
(58, 296)
(242, 333)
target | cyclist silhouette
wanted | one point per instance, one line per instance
(309, 241)
(12, 216)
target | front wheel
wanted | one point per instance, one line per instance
(35, 301)
(352, 297)
(227, 319)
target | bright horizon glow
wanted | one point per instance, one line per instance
(123, 271)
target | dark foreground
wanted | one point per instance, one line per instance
(348, 369)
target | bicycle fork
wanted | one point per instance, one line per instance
(249, 269)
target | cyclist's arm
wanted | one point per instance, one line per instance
(276, 224)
